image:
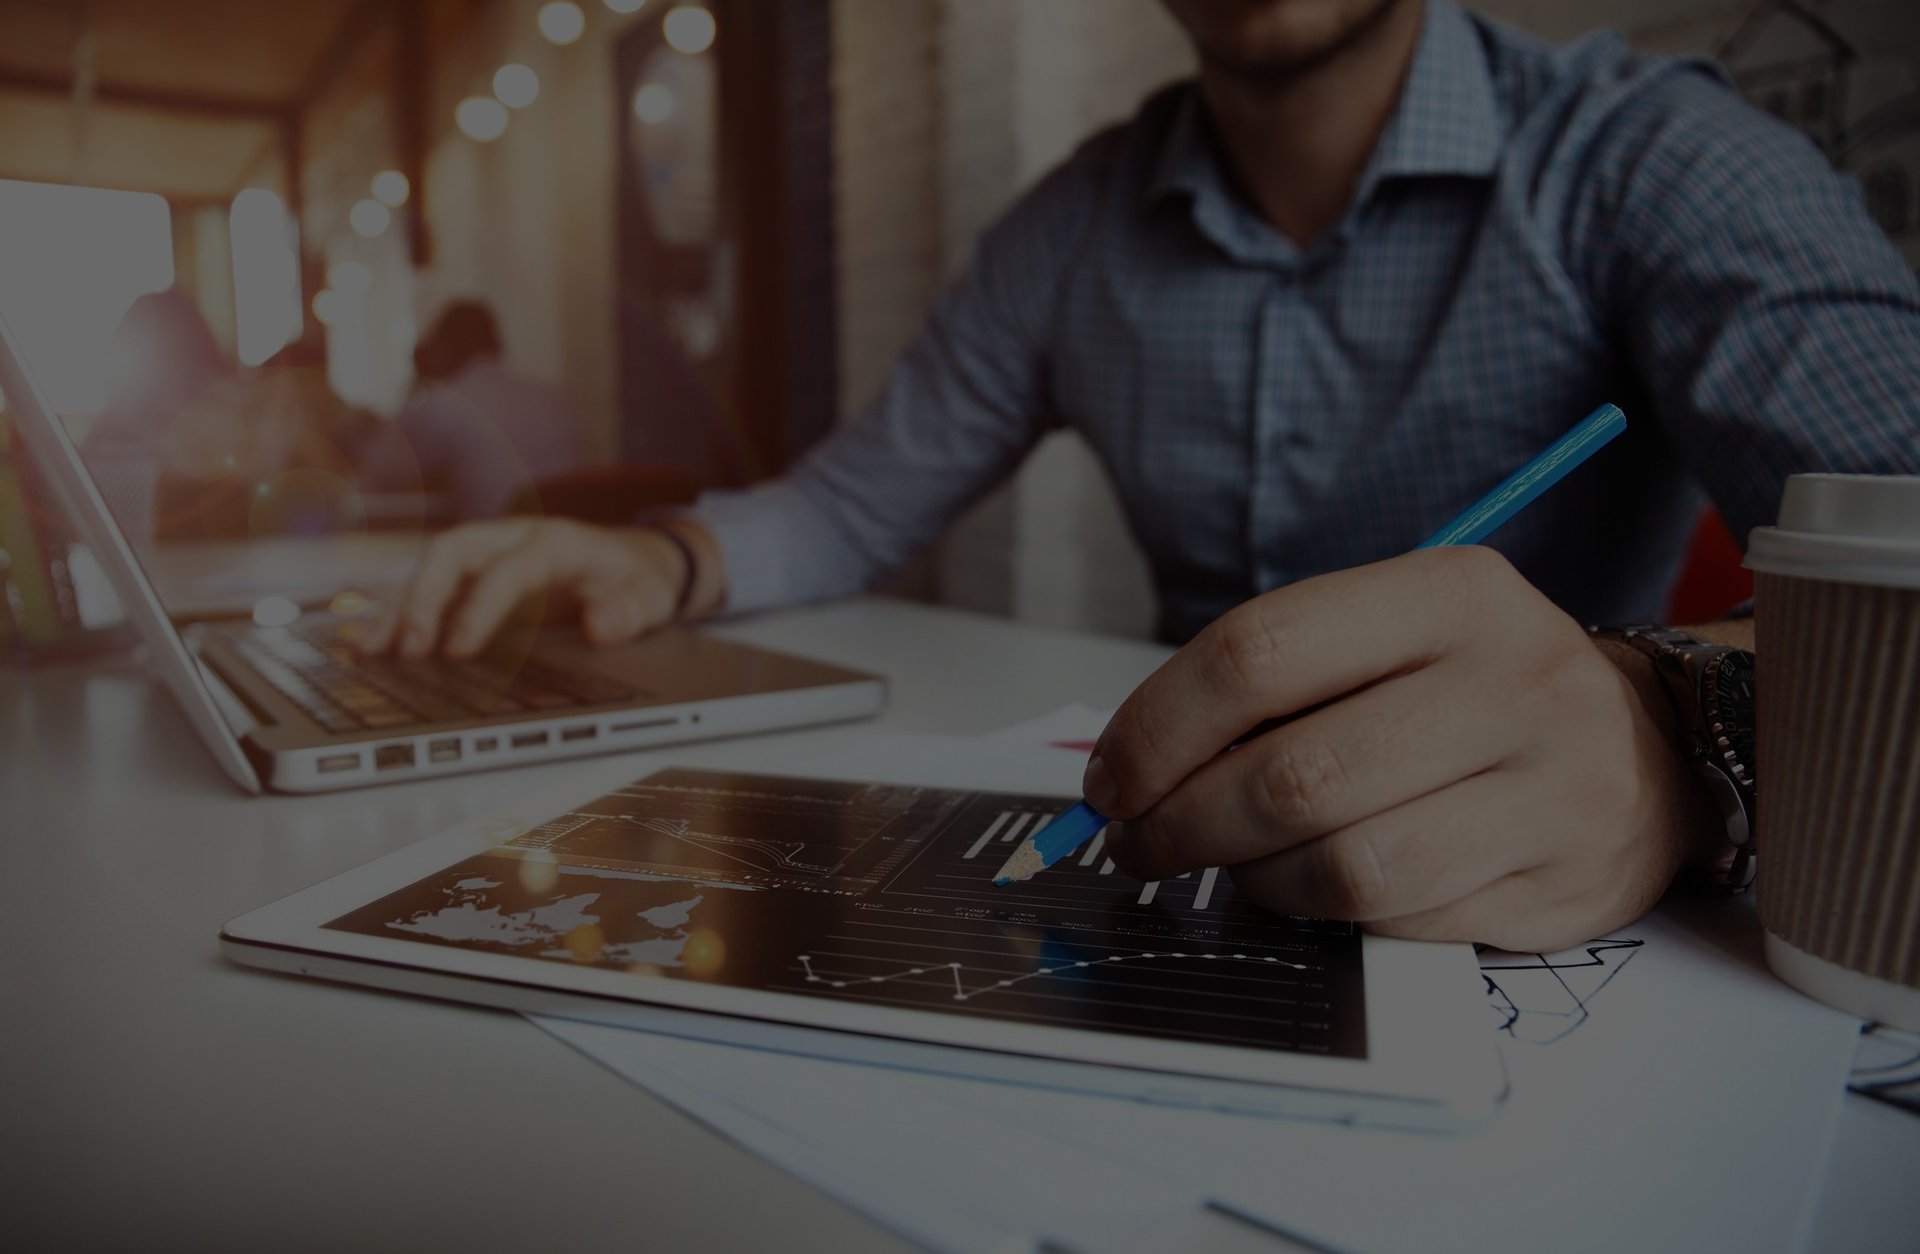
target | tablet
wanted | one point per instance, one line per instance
(859, 921)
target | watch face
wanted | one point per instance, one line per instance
(1730, 711)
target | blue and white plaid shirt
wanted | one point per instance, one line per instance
(1540, 229)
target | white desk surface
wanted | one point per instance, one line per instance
(154, 1096)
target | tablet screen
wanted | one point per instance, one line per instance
(883, 894)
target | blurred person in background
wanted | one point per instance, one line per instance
(472, 429)
(189, 447)
(284, 439)
(162, 361)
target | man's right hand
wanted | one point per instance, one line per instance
(622, 582)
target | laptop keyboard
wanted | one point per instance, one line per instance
(320, 671)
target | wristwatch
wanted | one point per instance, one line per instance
(1712, 690)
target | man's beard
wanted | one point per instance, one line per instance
(1279, 70)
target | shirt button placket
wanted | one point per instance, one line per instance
(1274, 428)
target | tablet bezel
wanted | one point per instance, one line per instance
(1432, 1060)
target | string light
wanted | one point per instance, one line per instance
(562, 22)
(369, 217)
(516, 86)
(689, 28)
(481, 118)
(653, 104)
(326, 306)
(390, 188)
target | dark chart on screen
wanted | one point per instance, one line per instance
(883, 894)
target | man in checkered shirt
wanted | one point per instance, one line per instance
(1304, 309)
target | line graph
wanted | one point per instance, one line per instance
(1263, 983)
(882, 894)
(761, 854)
(818, 836)
(961, 993)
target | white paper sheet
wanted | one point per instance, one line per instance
(1682, 1100)
(913, 1157)
(1693, 1109)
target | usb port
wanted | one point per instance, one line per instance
(578, 733)
(336, 762)
(447, 750)
(392, 757)
(644, 724)
(526, 740)
(486, 744)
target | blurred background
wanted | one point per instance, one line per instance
(364, 266)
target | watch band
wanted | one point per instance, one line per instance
(1667, 648)
(1686, 666)
(690, 565)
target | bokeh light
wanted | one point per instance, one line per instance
(585, 941)
(328, 307)
(654, 103)
(689, 28)
(626, 6)
(266, 274)
(516, 85)
(704, 953)
(562, 22)
(390, 188)
(481, 118)
(351, 603)
(369, 217)
(539, 870)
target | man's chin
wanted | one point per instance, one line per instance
(1277, 40)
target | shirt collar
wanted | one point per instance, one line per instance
(1446, 123)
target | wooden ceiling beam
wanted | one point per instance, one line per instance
(201, 104)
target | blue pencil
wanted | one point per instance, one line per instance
(1076, 826)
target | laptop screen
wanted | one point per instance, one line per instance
(55, 455)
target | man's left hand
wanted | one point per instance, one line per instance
(1458, 760)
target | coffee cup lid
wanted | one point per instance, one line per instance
(1846, 529)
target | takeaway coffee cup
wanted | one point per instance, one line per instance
(1837, 603)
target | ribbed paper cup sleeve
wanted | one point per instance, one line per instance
(1838, 771)
(1837, 677)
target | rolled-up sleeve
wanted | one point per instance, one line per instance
(963, 405)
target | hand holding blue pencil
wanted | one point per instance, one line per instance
(1077, 825)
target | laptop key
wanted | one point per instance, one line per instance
(344, 691)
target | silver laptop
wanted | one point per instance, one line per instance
(297, 709)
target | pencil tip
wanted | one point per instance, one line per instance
(1025, 863)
